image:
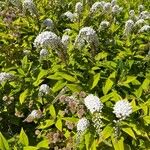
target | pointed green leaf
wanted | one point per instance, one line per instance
(146, 84)
(74, 87)
(129, 131)
(43, 144)
(67, 77)
(106, 133)
(108, 86)
(30, 148)
(118, 144)
(58, 86)
(23, 96)
(23, 138)
(52, 111)
(95, 80)
(3, 143)
(129, 79)
(58, 124)
(46, 124)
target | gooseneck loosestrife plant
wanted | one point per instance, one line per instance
(74, 75)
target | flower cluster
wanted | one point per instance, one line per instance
(16, 3)
(28, 5)
(128, 27)
(106, 7)
(35, 114)
(65, 40)
(5, 77)
(104, 25)
(145, 28)
(78, 8)
(48, 23)
(122, 109)
(96, 6)
(82, 125)
(93, 103)
(97, 121)
(44, 89)
(69, 15)
(47, 39)
(87, 34)
(44, 53)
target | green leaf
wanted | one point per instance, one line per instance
(145, 84)
(138, 92)
(42, 74)
(118, 144)
(74, 87)
(129, 131)
(23, 138)
(58, 124)
(109, 83)
(129, 79)
(3, 143)
(46, 124)
(23, 96)
(106, 133)
(95, 80)
(87, 140)
(108, 86)
(67, 77)
(43, 144)
(58, 86)
(147, 119)
(52, 111)
(71, 119)
(94, 145)
(30, 148)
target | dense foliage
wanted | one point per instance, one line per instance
(74, 75)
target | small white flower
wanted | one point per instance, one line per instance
(139, 23)
(96, 6)
(104, 24)
(89, 35)
(113, 2)
(26, 52)
(16, 2)
(5, 77)
(132, 13)
(36, 114)
(44, 53)
(48, 39)
(67, 30)
(30, 6)
(128, 27)
(140, 8)
(145, 28)
(107, 7)
(65, 40)
(122, 109)
(115, 9)
(69, 15)
(93, 103)
(78, 8)
(149, 53)
(144, 15)
(44, 89)
(82, 125)
(48, 23)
